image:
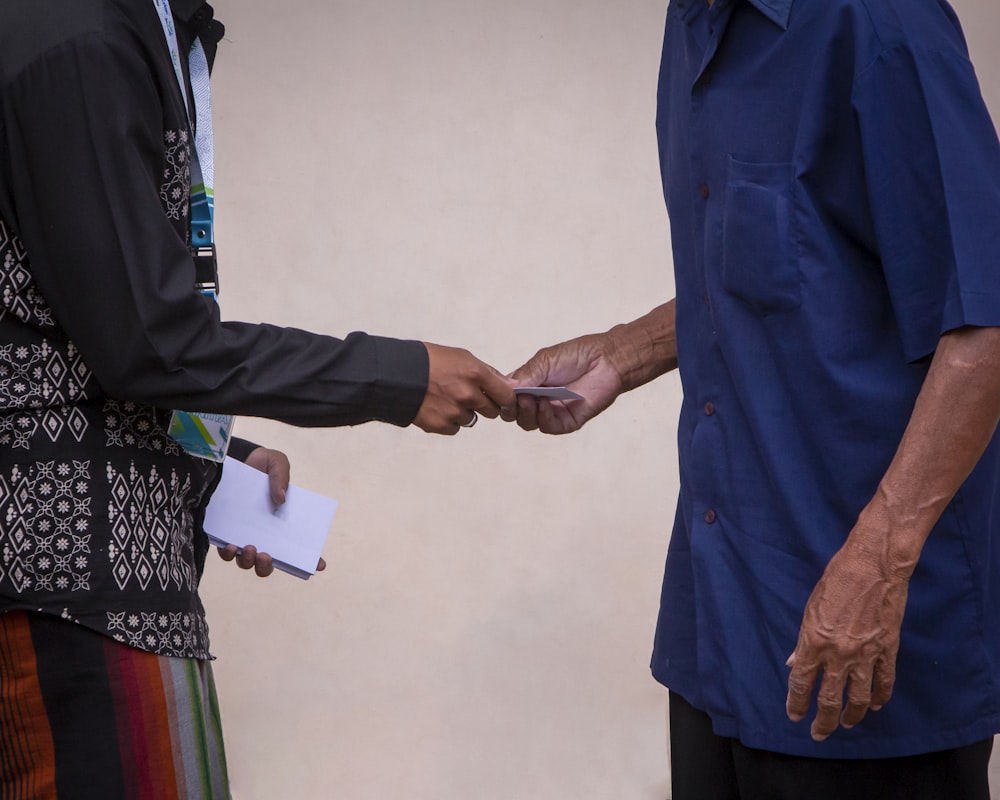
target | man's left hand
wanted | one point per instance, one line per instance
(850, 633)
(275, 464)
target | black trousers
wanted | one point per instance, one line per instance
(704, 766)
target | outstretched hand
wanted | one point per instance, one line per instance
(459, 387)
(599, 367)
(275, 464)
(583, 365)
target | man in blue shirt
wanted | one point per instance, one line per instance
(833, 183)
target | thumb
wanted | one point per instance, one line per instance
(278, 476)
(533, 372)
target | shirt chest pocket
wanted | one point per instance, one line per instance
(759, 259)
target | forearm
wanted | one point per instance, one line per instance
(645, 348)
(953, 420)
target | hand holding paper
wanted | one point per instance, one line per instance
(248, 521)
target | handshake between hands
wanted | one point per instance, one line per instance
(598, 367)
(460, 387)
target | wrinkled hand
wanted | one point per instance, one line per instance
(460, 386)
(275, 464)
(850, 633)
(583, 365)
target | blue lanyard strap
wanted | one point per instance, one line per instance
(203, 161)
(201, 435)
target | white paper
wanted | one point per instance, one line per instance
(549, 392)
(293, 534)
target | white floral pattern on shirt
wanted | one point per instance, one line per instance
(19, 295)
(175, 191)
(150, 524)
(41, 382)
(45, 540)
(131, 425)
(160, 631)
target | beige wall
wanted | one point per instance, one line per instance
(480, 174)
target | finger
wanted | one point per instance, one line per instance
(859, 696)
(801, 681)
(533, 372)
(279, 475)
(883, 683)
(247, 557)
(471, 421)
(228, 553)
(498, 392)
(264, 565)
(447, 428)
(276, 465)
(829, 703)
(487, 408)
(527, 413)
(547, 420)
(277, 487)
(441, 428)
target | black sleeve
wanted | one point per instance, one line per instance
(85, 137)
(240, 449)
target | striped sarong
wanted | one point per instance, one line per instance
(83, 717)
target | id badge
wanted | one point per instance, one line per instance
(202, 435)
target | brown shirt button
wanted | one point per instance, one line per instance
(709, 408)
(710, 516)
(703, 190)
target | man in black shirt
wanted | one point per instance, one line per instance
(102, 335)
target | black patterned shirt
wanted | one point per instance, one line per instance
(102, 332)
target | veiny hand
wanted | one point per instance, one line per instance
(460, 386)
(850, 632)
(275, 464)
(583, 365)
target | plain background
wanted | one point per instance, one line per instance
(480, 174)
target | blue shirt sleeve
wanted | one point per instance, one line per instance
(932, 164)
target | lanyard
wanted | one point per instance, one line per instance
(202, 435)
(203, 161)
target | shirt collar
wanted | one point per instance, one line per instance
(778, 11)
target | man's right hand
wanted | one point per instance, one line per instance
(459, 386)
(583, 365)
(599, 367)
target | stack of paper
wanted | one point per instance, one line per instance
(293, 534)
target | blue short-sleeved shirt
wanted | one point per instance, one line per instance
(833, 183)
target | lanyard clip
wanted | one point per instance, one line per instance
(206, 269)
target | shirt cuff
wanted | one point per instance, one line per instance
(240, 449)
(400, 385)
